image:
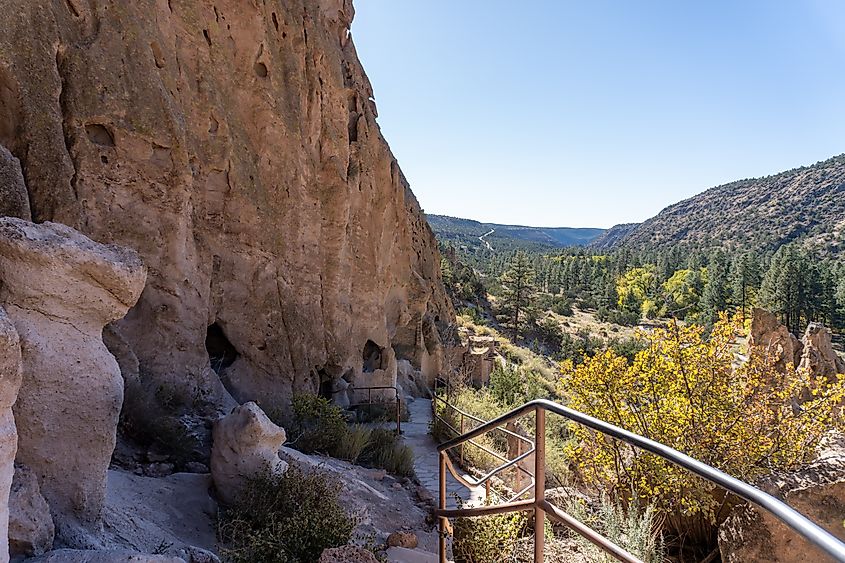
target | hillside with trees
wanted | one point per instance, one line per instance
(468, 233)
(804, 205)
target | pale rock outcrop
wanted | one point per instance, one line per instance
(60, 289)
(31, 529)
(347, 554)
(750, 535)
(407, 379)
(375, 500)
(10, 382)
(773, 340)
(818, 357)
(143, 514)
(14, 200)
(235, 146)
(103, 556)
(246, 443)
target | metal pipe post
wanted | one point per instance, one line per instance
(539, 484)
(462, 445)
(442, 505)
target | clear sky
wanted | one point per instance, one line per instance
(595, 112)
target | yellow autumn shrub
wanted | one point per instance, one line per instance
(688, 390)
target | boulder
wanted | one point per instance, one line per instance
(818, 357)
(10, 381)
(103, 556)
(407, 540)
(772, 340)
(246, 443)
(31, 529)
(60, 289)
(347, 554)
(14, 199)
(751, 535)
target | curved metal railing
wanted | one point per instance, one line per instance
(471, 482)
(780, 510)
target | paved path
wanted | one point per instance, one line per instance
(426, 462)
(483, 238)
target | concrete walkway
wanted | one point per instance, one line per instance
(426, 460)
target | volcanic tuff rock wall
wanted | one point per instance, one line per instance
(233, 143)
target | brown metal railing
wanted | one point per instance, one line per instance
(484, 479)
(542, 508)
(397, 401)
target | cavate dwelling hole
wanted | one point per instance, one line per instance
(221, 353)
(261, 70)
(207, 37)
(372, 357)
(99, 135)
(326, 384)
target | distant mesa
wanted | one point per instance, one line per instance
(505, 237)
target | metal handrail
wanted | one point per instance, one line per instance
(815, 534)
(397, 400)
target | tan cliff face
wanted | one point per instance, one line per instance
(234, 145)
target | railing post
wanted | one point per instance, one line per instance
(442, 505)
(398, 414)
(539, 484)
(462, 445)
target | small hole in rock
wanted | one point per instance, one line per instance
(104, 159)
(372, 356)
(276, 21)
(221, 352)
(261, 70)
(207, 37)
(99, 135)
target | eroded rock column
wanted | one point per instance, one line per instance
(60, 289)
(246, 443)
(10, 381)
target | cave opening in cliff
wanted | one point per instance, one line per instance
(221, 352)
(372, 356)
(326, 384)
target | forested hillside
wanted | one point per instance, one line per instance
(805, 204)
(469, 233)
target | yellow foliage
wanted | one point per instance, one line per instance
(685, 391)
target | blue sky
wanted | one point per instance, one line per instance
(592, 113)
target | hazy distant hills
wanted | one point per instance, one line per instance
(467, 232)
(805, 204)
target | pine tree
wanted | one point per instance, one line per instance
(784, 289)
(517, 292)
(745, 281)
(716, 295)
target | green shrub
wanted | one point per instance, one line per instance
(563, 307)
(507, 385)
(633, 529)
(316, 425)
(290, 518)
(352, 446)
(488, 539)
(386, 451)
(150, 417)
